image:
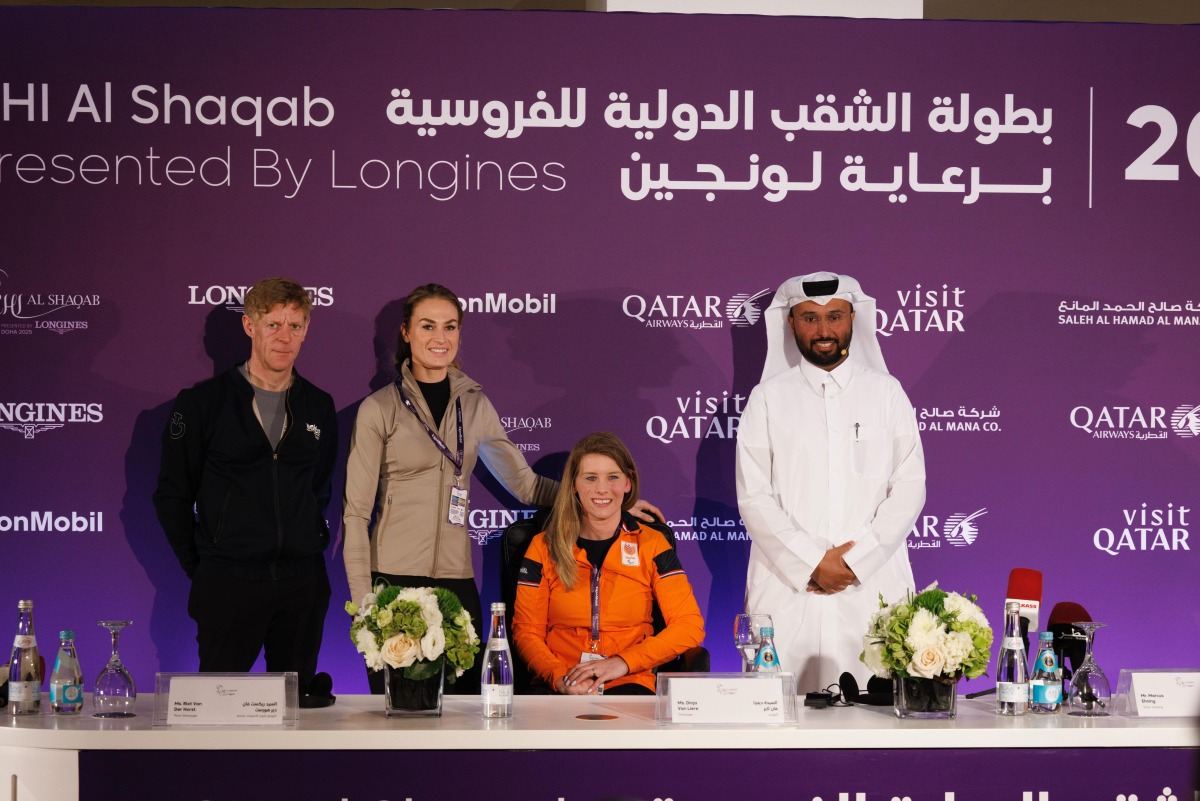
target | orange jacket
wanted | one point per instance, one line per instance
(552, 627)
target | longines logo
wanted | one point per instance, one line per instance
(31, 419)
(923, 309)
(695, 311)
(22, 313)
(485, 525)
(698, 416)
(234, 297)
(503, 303)
(1137, 422)
(959, 529)
(1146, 528)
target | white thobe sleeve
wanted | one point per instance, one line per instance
(877, 541)
(794, 551)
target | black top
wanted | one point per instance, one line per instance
(437, 398)
(597, 550)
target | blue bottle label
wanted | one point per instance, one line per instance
(1047, 692)
(1047, 661)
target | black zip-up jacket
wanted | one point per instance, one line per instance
(259, 512)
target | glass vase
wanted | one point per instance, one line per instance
(925, 699)
(412, 697)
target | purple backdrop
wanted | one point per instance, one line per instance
(1020, 198)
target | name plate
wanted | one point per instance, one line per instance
(739, 699)
(226, 699)
(1161, 693)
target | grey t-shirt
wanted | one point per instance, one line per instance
(271, 408)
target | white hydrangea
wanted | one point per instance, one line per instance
(365, 641)
(957, 647)
(873, 657)
(967, 611)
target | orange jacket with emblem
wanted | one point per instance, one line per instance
(552, 627)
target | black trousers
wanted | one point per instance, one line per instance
(468, 595)
(236, 619)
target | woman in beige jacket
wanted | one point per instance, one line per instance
(414, 445)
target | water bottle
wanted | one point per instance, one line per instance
(767, 658)
(25, 668)
(66, 682)
(497, 670)
(1046, 683)
(1012, 674)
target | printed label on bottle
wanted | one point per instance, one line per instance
(1011, 693)
(497, 644)
(1048, 661)
(66, 693)
(24, 692)
(1013, 643)
(1047, 693)
(25, 641)
(497, 693)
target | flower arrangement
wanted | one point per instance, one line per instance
(933, 635)
(414, 630)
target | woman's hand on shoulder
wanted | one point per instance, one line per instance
(644, 510)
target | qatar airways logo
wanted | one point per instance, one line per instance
(959, 529)
(695, 311)
(234, 297)
(922, 309)
(1137, 422)
(485, 525)
(515, 303)
(519, 428)
(31, 419)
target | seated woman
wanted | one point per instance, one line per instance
(586, 586)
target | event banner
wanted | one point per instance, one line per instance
(615, 198)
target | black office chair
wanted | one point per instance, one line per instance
(513, 544)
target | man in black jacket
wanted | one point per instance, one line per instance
(242, 490)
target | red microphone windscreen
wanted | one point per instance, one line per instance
(1068, 612)
(1025, 583)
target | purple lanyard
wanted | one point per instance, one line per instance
(441, 446)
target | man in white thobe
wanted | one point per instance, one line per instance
(830, 478)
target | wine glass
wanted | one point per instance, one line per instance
(1090, 692)
(747, 636)
(114, 692)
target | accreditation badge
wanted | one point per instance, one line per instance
(458, 506)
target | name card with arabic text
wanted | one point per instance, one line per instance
(226, 699)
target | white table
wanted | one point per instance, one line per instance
(43, 752)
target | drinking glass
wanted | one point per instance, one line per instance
(114, 693)
(1090, 692)
(747, 636)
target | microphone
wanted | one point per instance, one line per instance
(1025, 587)
(1069, 642)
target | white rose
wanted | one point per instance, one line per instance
(400, 651)
(927, 662)
(923, 631)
